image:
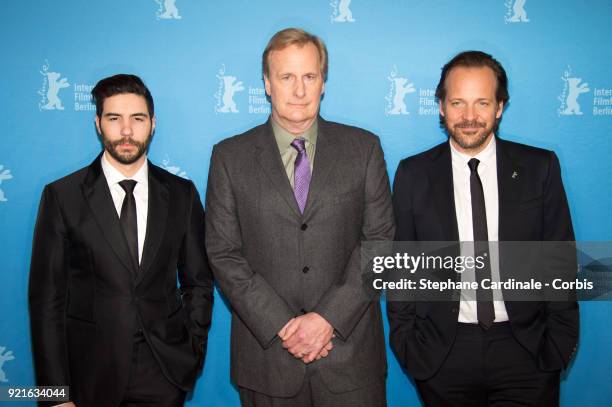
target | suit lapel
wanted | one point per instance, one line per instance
(157, 217)
(327, 154)
(510, 176)
(441, 181)
(98, 196)
(509, 187)
(269, 159)
(443, 197)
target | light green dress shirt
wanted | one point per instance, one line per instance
(289, 153)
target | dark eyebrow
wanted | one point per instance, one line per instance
(139, 114)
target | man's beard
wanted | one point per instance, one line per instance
(474, 141)
(141, 149)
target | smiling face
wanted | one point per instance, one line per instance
(295, 85)
(126, 129)
(470, 108)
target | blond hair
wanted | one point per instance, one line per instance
(294, 36)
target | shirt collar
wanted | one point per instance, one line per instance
(284, 138)
(486, 156)
(113, 176)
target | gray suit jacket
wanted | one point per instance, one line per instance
(273, 264)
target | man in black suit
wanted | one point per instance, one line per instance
(111, 239)
(477, 187)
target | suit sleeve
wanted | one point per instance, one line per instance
(252, 298)
(345, 302)
(48, 292)
(401, 314)
(562, 322)
(194, 273)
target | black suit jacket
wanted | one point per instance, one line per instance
(532, 207)
(88, 299)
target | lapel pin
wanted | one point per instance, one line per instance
(514, 175)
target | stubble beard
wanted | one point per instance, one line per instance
(473, 141)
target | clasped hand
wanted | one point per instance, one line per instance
(308, 337)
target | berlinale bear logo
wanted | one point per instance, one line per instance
(49, 91)
(572, 88)
(4, 357)
(341, 12)
(5, 174)
(228, 86)
(173, 169)
(516, 11)
(167, 10)
(400, 87)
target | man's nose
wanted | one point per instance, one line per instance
(126, 129)
(469, 113)
(300, 88)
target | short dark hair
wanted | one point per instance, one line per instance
(120, 84)
(475, 59)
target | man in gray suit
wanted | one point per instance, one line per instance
(288, 204)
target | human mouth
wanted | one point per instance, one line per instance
(124, 143)
(471, 125)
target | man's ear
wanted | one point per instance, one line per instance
(98, 124)
(500, 109)
(267, 85)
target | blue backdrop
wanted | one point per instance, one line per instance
(201, 60)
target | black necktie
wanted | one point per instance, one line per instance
(485, 311)
(128, 218)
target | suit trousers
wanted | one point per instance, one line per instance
(489, 368)
(314, 393)
(147, 385)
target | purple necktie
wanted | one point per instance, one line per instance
(301, 175)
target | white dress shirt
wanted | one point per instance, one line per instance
(141, 195)
(487, 171)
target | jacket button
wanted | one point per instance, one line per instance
(303, 311)
(305, 270)
(454, 310)
(304, 226)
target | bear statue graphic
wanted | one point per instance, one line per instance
(519, 15)
(230, 87)
(54, 84)
(167, 10)
(572, 89)
(575, 89)
(5, 174)
(342, 12)
(4, 357)
(399, 88)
